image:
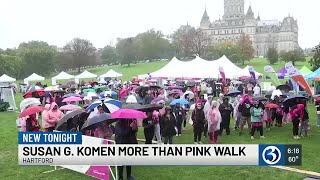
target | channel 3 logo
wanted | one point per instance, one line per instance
(271, 155)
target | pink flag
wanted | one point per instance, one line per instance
(223, 76)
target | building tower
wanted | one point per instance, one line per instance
(233, 9)
(205, 21)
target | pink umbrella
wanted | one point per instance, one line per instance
(72, 99)
(128, 114)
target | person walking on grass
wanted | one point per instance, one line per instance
(214, 121)
(297, 113)
(198, 118)
(267, 117)
(148, 125)
(256, 119)
(225, 110)
(179, 114)
(236, 113)
(244, 109)
(168, 123)
(304, 124)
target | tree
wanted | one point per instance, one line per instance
(82, 52)
(10, 65)
(189, 41)
(315, 60)
(36, 57)
(126, 51)
(109, 55)
(272, 55)
(246, 48)
(229, 49)
(293, 56)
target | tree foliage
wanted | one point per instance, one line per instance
(272, 55)
(10, 65)
(229, 49)
(36, 57)
(82, 52)
(246, 48)
(109, 55)
(315, 60)
(293, 56)
(126, 51)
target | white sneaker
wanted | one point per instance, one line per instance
(200, 142)
(252, 137)
(177, 135)
(195, 143)
(298, 137)
(262, 137)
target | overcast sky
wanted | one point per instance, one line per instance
(102, 21)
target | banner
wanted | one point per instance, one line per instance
(295, 74)
(252, 73)
(295, 87)
(223, 76)
(272, 74)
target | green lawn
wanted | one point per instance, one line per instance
(10, 170)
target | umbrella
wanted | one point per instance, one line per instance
(52, 88)
(102, 88)
(259, 98)
(35, 94)
(144, 108)
(71, 94)
(131, 99)
(106, 100)
(180, 101)
(89, 90)
(35, 88)
(111, 107)
(191, 83)
(65, 86)
(292, 100)
(237, 82)
(107, 93)
(271, 106)
(233, 93)
(29, 102)
(70, 82)
(158, 99)
(69, 116)
(284, 87)
(178, 87)
(31, 110)
(128, 114)
(72, 99)
(70, 107)
(155, 86)
(91, 123)
(175, 91)
(89, 95)
(190, 93)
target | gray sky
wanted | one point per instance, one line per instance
(102, 21)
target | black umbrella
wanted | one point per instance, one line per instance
(64, 86)
(93, 122)
(155, 86)
(69, 116)
(191, 83)
(180, 83)
(259, 98)
(178, 87)
(284, 87)
(233, 93)
(144, 108)
(293, 100)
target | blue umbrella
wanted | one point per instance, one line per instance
(106, 101)
(180, 101)
(292, 100)
(233, 93)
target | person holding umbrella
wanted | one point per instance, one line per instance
(198, 118)
(148, 124)
(168, 123)
(126, 133)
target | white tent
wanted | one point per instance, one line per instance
(6, 79)
(111, 73)
(61, 76)
(246, 69)
(33, 77)
(84, 75)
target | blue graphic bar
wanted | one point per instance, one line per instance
(49, 138)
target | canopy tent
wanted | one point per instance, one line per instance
(111, 73)
(282, 73)
(246, 69)
(61, 76)
(199, 68)
(7, 95)
(85, 75)
(6, 79)
(33, 77)
(312, 76)
(305, 71)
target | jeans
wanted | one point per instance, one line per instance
(254, 128)
(304, 127)
(197, 132)
(168, 139)
(295, 124)
(157, 132)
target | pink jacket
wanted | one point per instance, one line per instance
(52, 116)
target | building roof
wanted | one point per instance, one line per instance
(250, 13)
(268, 23)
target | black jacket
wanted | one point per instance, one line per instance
(124, 133)
(167, 125)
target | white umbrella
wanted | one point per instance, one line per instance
(29, 102)
(276, 93)
(131, 99)
(112, 108)
(190, 93)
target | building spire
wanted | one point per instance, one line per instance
(258, 18)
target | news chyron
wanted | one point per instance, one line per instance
(69, 148)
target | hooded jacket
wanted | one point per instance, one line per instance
(45, 116)
(53, 116)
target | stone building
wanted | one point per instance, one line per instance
(263, 33)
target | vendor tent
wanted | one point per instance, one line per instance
(312, 76)
(6, 79)
(305, 71)
(111, 73)
(33, 77)
(7, 101)
(61, 76)
(85, 75)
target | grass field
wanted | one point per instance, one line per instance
(10, 170)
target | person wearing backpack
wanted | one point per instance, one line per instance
(244, 110)
(256, 120)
